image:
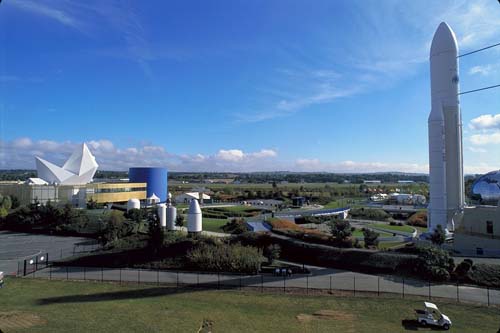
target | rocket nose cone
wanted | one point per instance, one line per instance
(194, 207)
(444, 40)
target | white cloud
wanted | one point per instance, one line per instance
(230, 155)
(485, 121)
(477, 150)
(482, 70)
(58, 15)
(485, 138)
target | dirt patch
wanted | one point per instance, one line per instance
(15, 320)
(326, 314)
(206, 326)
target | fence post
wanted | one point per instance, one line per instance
(102, 274)
(177, 280)
(240, 281)
(197, 279)
(262, 283)
(284, 283)
(354, 284)
(403, 288)
(378, 286)
(429, 290)
(120, 275)
(46, 260)
(158, 277)
(488, 292)
(24, 271)
(307, 285)
(138, 276)
(67, 273)
(330, 284)
(50, 272)
(218, 280)
(36, 263)
(84, 273)
(458, 295)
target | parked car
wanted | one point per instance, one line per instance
(432, 316)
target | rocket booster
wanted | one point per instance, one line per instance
(445, 133)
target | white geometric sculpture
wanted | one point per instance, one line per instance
(79, 169)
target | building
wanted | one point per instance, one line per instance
(72, 184)
(486, 189)
(79, 169)
(188, 196)
(479, 232)
(156, 179)
(76, 195)
(372, 182)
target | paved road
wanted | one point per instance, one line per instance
(320, 278)
(16, 246)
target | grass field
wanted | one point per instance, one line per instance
(61, 306)
(403, 228)
(359, 233)
(213, 224)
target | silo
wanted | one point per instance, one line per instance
(194, 217)
(133, 204)
(162, 215)
(171, 217)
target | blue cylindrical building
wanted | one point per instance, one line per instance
(156, 179)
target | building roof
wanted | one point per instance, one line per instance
(36, 181)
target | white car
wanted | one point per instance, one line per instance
(432, 316)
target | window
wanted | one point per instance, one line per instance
(489, 227)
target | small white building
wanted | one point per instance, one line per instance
(188, 196)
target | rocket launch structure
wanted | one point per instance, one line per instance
(446, 176)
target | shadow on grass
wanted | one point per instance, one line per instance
(110, 296)
(413, 325)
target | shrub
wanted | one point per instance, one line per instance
(341, 230)
(438, 236)
(418, 219)
(434, 263)
(224, 257)
(272, 252)
(371, 238)
(369, 213)
(235, 226)
(485, 275)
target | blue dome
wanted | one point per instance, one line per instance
(486, 189)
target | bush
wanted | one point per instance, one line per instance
(434, 264)
(224, 257)
(370, 237)
(485, 275)
(272, 252)
(235, 226)
(369, 214)
(418, 219)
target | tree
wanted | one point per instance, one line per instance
(370, 237)
(272, 252)
(438, 236)
(155, 233)
(6, 202)
(434, 263)
(340, 230)
(15, 202)
(114, 226)
(135, 215)
(179, 221)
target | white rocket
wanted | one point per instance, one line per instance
(194, 217)
(445, 134)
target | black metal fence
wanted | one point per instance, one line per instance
(318, 282)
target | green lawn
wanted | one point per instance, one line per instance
(359, 233)
(403, 228)
(61, 306)
(213, 224)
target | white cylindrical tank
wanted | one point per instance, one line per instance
(194, 217)
(171, 217)
(162, 215)
(133, 204)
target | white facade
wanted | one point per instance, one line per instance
(445, 134)
(79, 169)
(187, 197)
(162, 215)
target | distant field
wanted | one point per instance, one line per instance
(60, 306)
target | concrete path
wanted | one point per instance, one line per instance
(320, 278)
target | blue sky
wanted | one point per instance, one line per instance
(337, 86)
